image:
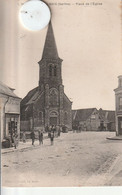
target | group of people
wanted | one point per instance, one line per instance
(40, 136)
(53, 131)
(77, 129)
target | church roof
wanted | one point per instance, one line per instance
(28, 97)
(5, 90)
(50, 49)
(82, 114)
(34, 97)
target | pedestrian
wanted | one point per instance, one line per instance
(33, 137)
(24, 137)
(58, 130)
(46, 128)
(49, 131)
(12, 137)
(15, 139)
(79, 129)
(52, 136)
(40, 137)
(54, 129)
(10, 140)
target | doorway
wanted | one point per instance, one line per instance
(11, 126)
(120, 125)
(53, 120)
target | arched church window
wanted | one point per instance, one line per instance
(50, 70)
(53, 114)
(40, 116)
(55, 71)
(53, 97)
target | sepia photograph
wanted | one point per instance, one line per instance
(61, 93)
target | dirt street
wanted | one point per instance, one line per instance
(75, 159)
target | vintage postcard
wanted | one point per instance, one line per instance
(61, 94)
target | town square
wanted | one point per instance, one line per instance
(43, 138)
(75, 160)
(61, 100)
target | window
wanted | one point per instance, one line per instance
(121, 124)
(93, 116)
(52, 70)
(120, 103)
(55, 70)
(53, 97)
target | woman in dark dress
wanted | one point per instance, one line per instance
(33, 137)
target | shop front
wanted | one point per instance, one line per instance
(12, 126)
(9, 115)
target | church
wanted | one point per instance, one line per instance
(47, 104)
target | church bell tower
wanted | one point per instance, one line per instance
(50, 80)
(50, 64)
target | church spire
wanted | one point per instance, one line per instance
(50, 49)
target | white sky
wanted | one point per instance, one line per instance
(88, 40)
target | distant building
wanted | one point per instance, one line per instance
(107, 119)
(87, 119)
(47, 104)
(118, 100)
(9, 112)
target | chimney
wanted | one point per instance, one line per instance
(120, 81)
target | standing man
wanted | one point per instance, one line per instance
(49, 131)
(58, 130)
(15, 139)
(24, 137)
(52, 136)
(33, 137)
(46, 128)
(40, 137)
(54, 129)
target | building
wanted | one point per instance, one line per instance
(88, 119)
(107, 120)
(47, 104)
(9, 112)
(118, 105)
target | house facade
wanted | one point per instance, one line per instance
(47, 104)
(9, 112)
(107, 120)
(92, 119)
(87, 119)
(118, 106)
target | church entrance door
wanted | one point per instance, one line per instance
(53, 120)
